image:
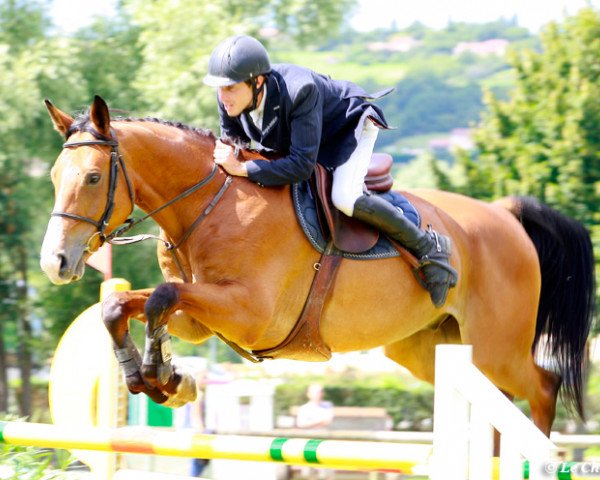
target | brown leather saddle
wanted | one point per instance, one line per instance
(347, 233)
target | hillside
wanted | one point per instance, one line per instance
(439, 77)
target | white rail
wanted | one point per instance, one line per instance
(467, 407)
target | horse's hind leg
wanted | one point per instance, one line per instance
(497, 356)
(417, 352)
(542, 403)
(514, 371)
(543, 410)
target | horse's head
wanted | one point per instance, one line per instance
(91, 198)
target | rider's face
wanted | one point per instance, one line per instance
(235, 98)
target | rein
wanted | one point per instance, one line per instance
(115, 238)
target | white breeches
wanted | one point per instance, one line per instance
(349, 178)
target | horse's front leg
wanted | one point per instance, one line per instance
(223, 308)
(179, 386)
(117, 309)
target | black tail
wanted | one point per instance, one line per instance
(567, 299)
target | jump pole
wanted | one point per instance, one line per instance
(338, 454)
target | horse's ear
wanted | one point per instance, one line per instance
(61, 120)
(100, 116)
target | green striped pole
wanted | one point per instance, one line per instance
(340, 454)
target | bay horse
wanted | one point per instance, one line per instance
(526, 272)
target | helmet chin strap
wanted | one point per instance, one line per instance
(255, 92)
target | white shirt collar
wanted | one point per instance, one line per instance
(257, 114)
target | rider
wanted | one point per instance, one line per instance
(311, 118)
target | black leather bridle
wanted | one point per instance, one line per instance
(116, 161)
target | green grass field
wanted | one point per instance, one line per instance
(335, 65)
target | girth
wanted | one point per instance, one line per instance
(304, 341)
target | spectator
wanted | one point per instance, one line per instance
(316, 414)
(191, 416)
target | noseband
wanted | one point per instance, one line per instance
(116, 160)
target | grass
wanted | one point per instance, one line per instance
(334, 65)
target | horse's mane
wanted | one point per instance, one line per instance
(82, 123)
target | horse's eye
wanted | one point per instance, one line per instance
(92, 178)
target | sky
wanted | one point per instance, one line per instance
(371, 14)
(531, 14)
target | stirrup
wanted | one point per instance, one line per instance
(452, 280)
(442, 249)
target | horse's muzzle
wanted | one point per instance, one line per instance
(61, 269)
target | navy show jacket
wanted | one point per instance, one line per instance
(308, 118)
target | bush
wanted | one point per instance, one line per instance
(32, 463)
(410, 403)
(410, 407)
(39, 402)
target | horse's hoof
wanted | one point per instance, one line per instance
(185, 392)
(134, 383)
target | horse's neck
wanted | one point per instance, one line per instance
(163, 162)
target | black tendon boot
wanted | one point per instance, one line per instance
(428, 246)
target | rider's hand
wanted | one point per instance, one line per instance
(224, 155)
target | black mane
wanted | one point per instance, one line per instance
(83, 124)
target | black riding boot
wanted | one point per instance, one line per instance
(428, 246)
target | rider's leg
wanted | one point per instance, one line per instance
(349, 178)
(429, 247)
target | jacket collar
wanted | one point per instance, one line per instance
(271, 113)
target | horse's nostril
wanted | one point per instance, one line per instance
(63, 261)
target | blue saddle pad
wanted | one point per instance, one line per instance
(304, 204)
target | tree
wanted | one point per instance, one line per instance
(22, 25)
(108, 56)
(32, 66)
(424, 103)
(170, 78)
(544, 140)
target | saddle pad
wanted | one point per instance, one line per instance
(304, 204)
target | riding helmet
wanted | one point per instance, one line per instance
(235, 60)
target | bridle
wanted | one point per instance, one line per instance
(116, 162)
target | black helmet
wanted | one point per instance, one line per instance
(235, 60)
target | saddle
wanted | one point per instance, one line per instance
(347, 233)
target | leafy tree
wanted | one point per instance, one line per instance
(23, 23)
(310, 22)
(544, 140)
(108, 56)
(33, 66)
(424, 102)
(170, 78)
